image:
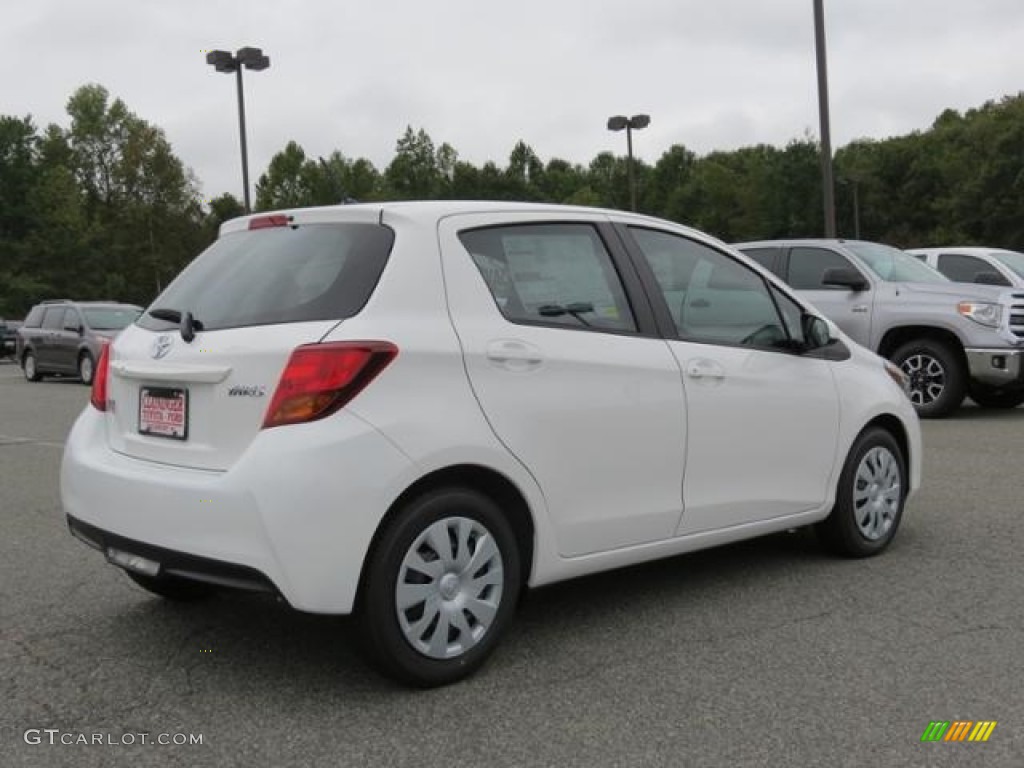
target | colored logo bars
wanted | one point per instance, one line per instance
(958, 730)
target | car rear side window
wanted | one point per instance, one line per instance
(551, 274)
(280, 275)
(53, 319)
(35, 317)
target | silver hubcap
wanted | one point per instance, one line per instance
(449, 587)
(85, 369)
(876, 493)
(30, 366)
(926, 378)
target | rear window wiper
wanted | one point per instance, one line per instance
(186, 322)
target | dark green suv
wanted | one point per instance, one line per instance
(66, 337)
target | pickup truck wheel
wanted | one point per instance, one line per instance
(990, 398)
(28, 366)
(937, 379)
(86, 368)
(869, 499)
(440, 587)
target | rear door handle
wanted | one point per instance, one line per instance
(514, 355)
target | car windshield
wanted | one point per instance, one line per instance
(111, 318)
(895, 266)
(1012, 259)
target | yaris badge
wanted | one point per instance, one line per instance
(161, 346)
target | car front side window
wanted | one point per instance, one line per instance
(712, 297)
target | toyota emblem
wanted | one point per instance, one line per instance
(161, 346)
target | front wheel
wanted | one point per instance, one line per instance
(992, 398)
(936, 375)
(870, 496)
(440, 588)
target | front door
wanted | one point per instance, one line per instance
(762, 420)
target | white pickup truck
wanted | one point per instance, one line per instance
(950, 339)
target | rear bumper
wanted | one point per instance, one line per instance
(996, 367)
(295, 515)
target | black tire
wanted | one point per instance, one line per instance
(993, 398)
(938, 376)
(862, 527)
(86, 368)
(463, 517)
(172, 588)
(28, 367)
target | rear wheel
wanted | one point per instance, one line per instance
(172, 588)
(992, 398)
(936, 374)
(86, 368)
(870, 497)
(28, 366)
(440, 588)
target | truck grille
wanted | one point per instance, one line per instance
(1017, 315)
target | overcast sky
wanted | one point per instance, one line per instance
(482, 75)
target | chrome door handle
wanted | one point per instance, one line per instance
(860, 309)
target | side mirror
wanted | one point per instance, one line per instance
(990, 278)
(816, 331)
(845, 277)
(75, 329)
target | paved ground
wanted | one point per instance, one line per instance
(766, 653)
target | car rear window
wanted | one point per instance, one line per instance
(35, 317)
(279, 275)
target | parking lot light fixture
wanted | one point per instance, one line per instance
(244, 58)
(630, 124)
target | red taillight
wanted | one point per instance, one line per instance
(321, 378)
(266, 222)
(99, 380)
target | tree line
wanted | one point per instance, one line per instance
(103, 209)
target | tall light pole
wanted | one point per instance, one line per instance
(634, 123)
(827, 182)
(244, 58)
(854, 184)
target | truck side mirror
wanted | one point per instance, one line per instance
(845, 277)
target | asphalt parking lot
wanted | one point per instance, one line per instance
(765, 653)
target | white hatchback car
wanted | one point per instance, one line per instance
(411, 411)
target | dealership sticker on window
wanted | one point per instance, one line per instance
(163, 412)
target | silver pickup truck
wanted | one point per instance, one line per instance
(951, 339)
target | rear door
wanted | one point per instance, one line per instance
(255, 295)
(562, 354)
